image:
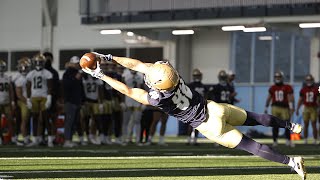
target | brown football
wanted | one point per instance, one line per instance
(89, 60)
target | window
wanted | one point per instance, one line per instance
(301, 58)
(65, 56)
(4, 57)
(115, 52)
(243, 56)
(16, 55)
(149, 55)
(262, 57)
(258, 55)
(282, 54)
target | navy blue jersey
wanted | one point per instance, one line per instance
(107, 89)
(115, 93)
(220, 93)
(199, 87)
(184, 103)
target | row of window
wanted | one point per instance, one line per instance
(150, 54)
(256, 56)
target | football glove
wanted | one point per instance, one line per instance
(48, 101)
(107, 57)
(101, 108)
(97, 73)
(29, 104)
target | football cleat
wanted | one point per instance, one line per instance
(299, 167)
(296, 128)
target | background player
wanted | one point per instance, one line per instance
(221, 92)
(198, 86)
(309, 97)
(6, 102)
(215, 121)
(282, 105)
(39, 100)
(24, 66)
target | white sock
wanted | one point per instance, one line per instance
(291, 162)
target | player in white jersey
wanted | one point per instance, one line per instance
(39, 99)
(92, 107)
(20, 82)
(133, 113)
(6, 99)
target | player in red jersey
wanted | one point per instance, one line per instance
(282, 105)
(309, 97)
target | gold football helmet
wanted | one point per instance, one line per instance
(278, 77)
(24, 65)
(39, 61)
(162, 76)
(309, 80)
(3, 66)
(197, 75)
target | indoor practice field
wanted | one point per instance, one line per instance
(175, 161)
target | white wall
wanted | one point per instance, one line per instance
(20, 27)
(211, 53)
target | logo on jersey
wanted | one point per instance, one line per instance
(154, 94)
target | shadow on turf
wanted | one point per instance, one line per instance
(158, 172)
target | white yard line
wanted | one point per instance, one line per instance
(147, 169)
(146, 157)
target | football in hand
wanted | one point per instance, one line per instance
(89, 60)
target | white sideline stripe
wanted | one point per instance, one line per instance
(150, 169)
(148, 157)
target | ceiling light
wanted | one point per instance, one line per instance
(254, 29)
(110, 31)
(309, 25)
(130, 33)
(182, 32)
(232, 28)
(265, 38)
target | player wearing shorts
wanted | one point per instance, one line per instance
(198, 86)
(216, 121)
(132, 115)
(93, 106)
(6, 101)
(39, 100)
(282, 106)
(309, 98)
(24, 66)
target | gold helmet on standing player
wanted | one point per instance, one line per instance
(309, 80)
(162, 76)
(223, 77)
(3, 67)
(39, 61)
(197, 75)
(278, 77)
(24, 65)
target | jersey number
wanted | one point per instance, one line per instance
(279, 95)
(4, 87)
(225, 95)
(182, 96)
(309, 97)
(91, 87)
(37, 82)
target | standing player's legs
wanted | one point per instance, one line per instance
(24, 120)
(310, 114)
(163, 118)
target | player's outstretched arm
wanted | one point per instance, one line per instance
(133, 64)
(137, 94)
